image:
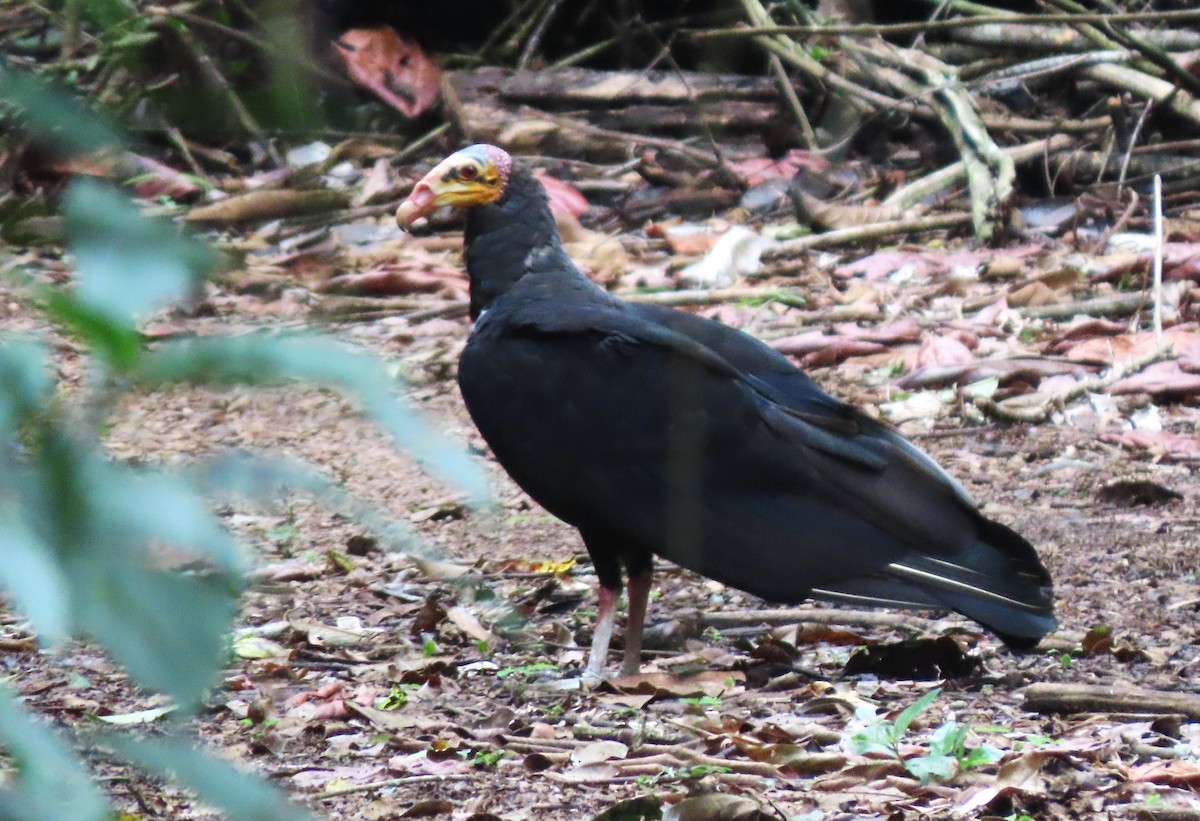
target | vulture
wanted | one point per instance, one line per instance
(656, 432)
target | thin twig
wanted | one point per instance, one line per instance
(892, 29)
(391, 782)
(789, 95)
(1022, 409)
(717, 296)
(860, 233)
(1158, 261)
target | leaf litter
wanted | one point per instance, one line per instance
(373, 682)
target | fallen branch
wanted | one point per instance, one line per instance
(717, 296)
(391, 782)
(1036, 407)
(1118, 305)
(861, 233)
(785, 616)
(1090, 698)
(953, 174)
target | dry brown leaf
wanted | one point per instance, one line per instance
(716, 807)
(708, 683)
(1035, 293)
(598, 751)
(465, 621)
(1021, 775)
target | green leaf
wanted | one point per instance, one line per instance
(56, 115)
(242, 796)
(25, 386)
(108, 14)
(262, 359)
(913, 710)
(143, 507)
(100, 519)
(878, 737)
(51, 783)
(31, 575)
(928, 767)
(167, 629)
(129, 264)
(981, 756)
(119, 343)
(949, 739)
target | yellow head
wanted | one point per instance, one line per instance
(476, 175)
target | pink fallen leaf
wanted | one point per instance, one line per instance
(323, 692)
(903, 330)
(1172, 773)
(396, 279)
(1030, 369)
(391, 66)
(1161, 378)
(1159, 442)
(938, 350)
(1181, 260)
(758, 170)
(563, 196)
(1084, 327)
(1107, 350)
(839, 348)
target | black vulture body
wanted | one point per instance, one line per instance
(657, 432)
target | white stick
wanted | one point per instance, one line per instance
(1158, 260)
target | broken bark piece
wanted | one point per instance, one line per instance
(606, 89)
(1090, 698)
(268, 204)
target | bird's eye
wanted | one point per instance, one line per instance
(468, 172)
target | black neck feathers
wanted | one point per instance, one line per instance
(503, 238)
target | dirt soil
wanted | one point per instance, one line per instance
(371, 685)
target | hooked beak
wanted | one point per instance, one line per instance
(420, 202)
(466, 178)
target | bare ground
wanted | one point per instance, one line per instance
(492, 724)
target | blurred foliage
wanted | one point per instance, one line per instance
(77, 527)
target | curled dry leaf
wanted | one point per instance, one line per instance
(1172, 773)
(1030, 369)
(666, 685)
(600, 256)
(465, 621)
(1021, 774)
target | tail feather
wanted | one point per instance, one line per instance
(999, 583)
